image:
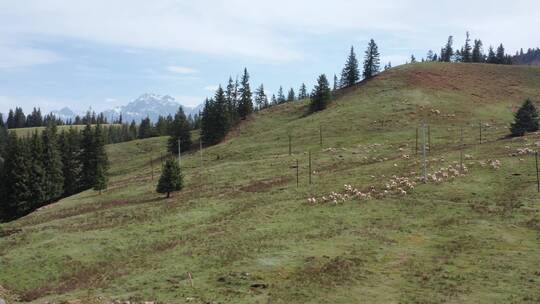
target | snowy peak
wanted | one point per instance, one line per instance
(148, 105)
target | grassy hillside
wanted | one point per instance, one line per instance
(247, 234)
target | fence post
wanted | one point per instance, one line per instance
(537, 176)
(320, 135)
(310, 167)
(416, 143)
(179, 153)
(290, 148)
(429, 138)
(461, 151)
(480, 130)
(424, 151)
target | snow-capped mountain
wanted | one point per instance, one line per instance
(64, 114)
(148, 105)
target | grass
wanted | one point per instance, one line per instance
(246, 233)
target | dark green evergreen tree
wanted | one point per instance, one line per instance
(146, 129)
(170, 179)
(281, 96)
(525, 120)
(491, 58)
(466, 55)
(448, 52)
(88, 158)
(350, 73)
(180, 131)
(17, 183)
(52, 164)
(37, 175)
(261, 101)
(321, 95)
(101, 179)
(302, 93)
(477, 54)
(20, 119)
(371, 60)
(11, 120)
(501, 55)
(245, 106)
(214, 121)
(291, 96)
(70, 145)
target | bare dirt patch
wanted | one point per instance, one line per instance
(266, 184)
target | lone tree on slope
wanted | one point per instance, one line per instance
(170, 179)
(350, 74)
(371, 60)
(526, 119)
(321, 94)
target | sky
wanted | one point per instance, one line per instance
(105, 53)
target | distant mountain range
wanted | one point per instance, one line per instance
(146, 105)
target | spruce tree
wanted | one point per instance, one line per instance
(500, 56)
(350, 73)
(37, 174)
(335, 87)
(232, 100)
(20, 119)
(11, 120)
(70, 147)
(291, 96)
(281, 96)
(146, 129)
(466, 55)
(477, 55)
(245, 106)
(179, 131)
(17, 183)
(447, 53)
(101, 179)
(170, 179)
(321, 95)
(261, 101)
(99, 148)
(302, 93)
(371, 60)
(429, 56)
(413, 59)
(491, 58)
(3, 138)
(214, 121)
(525, 120)
(52, 164)
(87, 158)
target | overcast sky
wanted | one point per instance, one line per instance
(104, 53)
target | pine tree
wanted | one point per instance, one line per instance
(88, 158)
(101, 160)
(232, 100)
(170, 179)
(335, 87)
(501, 55)
(371, 60)
(11, 120)
(321, 94)
(281, 96)
(179, 131)
(37, 175)
(429, 56)
(52, 164)
(70, 147)
(20, 119)
(525, 120)
(3, 139)
(214, 122)
(350, 73)
(146, 129)
(17, 184)
(245, 106)
(260, 98)
(477, 55)
(302, 93)
(291, 96)
(162, 128)
(133, 132)
(466, 55)
(492, 58)
(447, 53)
(413, 59)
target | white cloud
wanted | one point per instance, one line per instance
(211, 88)
(13, 56)
(181, 69)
